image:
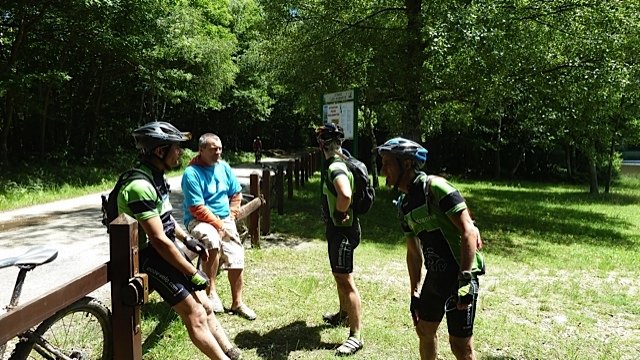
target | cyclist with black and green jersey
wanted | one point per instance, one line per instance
(170, 272)
(342, 233)
(441, 238)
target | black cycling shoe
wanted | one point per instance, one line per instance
(338, 319)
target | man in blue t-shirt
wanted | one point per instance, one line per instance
(212, 197)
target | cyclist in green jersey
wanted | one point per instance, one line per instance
(441, 238)
(170, 272)
(342, 233)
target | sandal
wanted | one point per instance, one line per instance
(338, 319)
(350, 347)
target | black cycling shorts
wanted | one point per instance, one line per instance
(172, 285)
(342, 241)
(438, 297)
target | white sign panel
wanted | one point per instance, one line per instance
(341, 114)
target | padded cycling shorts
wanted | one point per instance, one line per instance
(172, 285)
(438, 297)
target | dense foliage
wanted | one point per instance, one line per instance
(493, 87)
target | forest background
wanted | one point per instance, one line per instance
(531, 89)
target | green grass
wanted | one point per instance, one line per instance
(561, 281)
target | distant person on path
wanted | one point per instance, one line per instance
(257, 149)
(170, 273)
(439, 229)
(343, 235)
(212, 197)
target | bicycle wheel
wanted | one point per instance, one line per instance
(82, 330)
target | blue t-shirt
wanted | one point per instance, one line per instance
(211, 186)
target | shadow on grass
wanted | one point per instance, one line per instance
(552, 216)
(277, 344)
(162, 313)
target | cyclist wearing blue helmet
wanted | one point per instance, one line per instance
(342, 233)
(441, 238)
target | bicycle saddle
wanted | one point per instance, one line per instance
(33, 257)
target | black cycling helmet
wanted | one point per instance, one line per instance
(158, 133)
(329, 132)
(405, 149)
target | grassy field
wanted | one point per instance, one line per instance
(562, 267)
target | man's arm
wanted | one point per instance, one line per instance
(234, 204)
(159, 240)
(415, 264)
(469, 240)
(183, 235)
(343, 192)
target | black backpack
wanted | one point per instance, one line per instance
(364, 193)
(110, 201)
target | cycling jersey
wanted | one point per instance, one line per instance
(429, 222)
(139, 199)
(334, 168)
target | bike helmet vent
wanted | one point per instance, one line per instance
(405, 149)
(158, 133)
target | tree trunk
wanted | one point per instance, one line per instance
(567, 150)
(43, 120)
(497, 164)
(593, 175)
(415, 59)
(607, 185)
(6, 129)
(374, 143)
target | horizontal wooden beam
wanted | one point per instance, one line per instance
(26, 316)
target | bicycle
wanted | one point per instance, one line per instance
(80, 331)
(257, 154)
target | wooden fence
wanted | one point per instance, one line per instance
(129, 289)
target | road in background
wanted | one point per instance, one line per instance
(74, 228)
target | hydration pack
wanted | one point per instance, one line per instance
(110, 201)
(364, 193)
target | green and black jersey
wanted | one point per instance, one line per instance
(334, 168)
(139, 199)
(429, 222)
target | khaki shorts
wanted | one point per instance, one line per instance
(232, 251)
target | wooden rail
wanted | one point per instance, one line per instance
(122, 267)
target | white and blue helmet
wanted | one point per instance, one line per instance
(405, 149)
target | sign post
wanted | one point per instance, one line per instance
(341, 108)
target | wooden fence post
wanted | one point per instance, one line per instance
(265, 216)
(296, 173)
(280, 189)
(254, 218)
(303, 168)
(290, 170)
(123, 247)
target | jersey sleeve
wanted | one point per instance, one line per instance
(448, 198)
(140, 198)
